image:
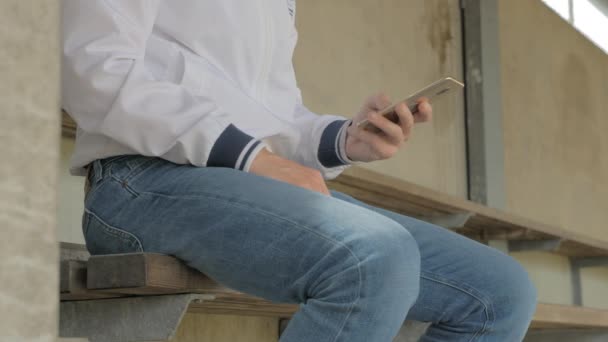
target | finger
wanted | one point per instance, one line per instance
(425, 112)
(393, 131)
(380, 101)
(406, 119)
(381, 147)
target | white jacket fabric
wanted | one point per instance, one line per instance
(201, 82)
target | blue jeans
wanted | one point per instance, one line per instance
(356, 271)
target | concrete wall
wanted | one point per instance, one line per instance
(29, 145)
(555, 95)
(350, 49)
(71, 198)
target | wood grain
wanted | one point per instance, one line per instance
(68, 126)
(197, 327)
(565, 316)
(146, 273)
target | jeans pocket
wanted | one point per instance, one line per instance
(129, 168)
(101, 238)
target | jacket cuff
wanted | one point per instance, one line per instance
(234, 149)
(332, 146)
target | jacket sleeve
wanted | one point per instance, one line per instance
(108, 91)
(323, 141)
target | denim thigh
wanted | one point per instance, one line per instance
(239, 228)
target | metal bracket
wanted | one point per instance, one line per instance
(575, 274)
(449, 221)
(534, 245)
(149, 318)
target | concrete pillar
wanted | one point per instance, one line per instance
(29, 152)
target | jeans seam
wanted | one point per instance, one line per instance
(141, 168)
(488, 308)
(334, 242)
(139, 244)
(134, 174)
(124, 184)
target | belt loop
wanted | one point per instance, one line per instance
(97, 171)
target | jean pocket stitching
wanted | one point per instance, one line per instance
(135, 169)
(118, 233)
(141, 168)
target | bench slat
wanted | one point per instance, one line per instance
(146, 273)
(157, 274)
(565, 316)
(485, 224)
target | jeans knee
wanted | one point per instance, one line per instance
(391, 260)
(518, 291)
(379, 260)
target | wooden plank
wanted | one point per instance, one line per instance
(73, 281)
(73, 251)
(226, 328)
(68, 126)
(488, 223)
(162, 274)
(245, 305)
(146, 273)
(157, 274)
(565, 316)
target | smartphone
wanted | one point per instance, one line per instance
(441, 87)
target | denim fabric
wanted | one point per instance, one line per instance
(356, 271)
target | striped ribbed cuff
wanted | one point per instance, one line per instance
(234, 149)
(332, 147)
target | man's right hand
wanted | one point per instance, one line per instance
(273, 166)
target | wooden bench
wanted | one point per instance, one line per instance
(149, 274)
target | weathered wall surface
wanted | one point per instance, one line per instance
(29, 145)
(555, 95)
(349, 49)
(71, 198)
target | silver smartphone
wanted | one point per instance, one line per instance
(441, 87)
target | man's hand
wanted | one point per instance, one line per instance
(273, 166)
(367, 146)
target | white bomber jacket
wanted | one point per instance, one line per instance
(201, 82)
